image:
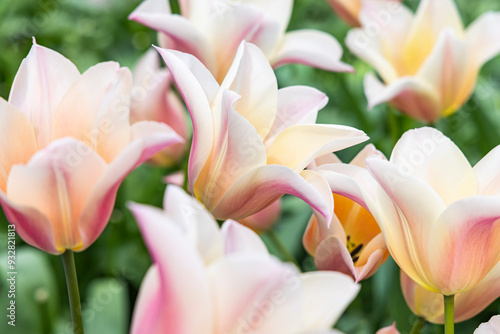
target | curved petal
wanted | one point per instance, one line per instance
(60, 178)
(265, 219)
(96, 110)
(147, 139)
(296, 105)
(333, 255)
(388, 330)
(183, 282)
(312, 48)
(432, 157)
(464, 244)
(490, 327)
(347, 10)
(410, 95)
(483, 37)
(279, 10)
(240, 239)
(299, 145)
(488, 174)
(263, 185)
(17, 140)
(42, 80)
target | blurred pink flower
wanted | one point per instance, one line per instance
(252, 141)
(390, 329)
(428, 62)
(212, 30)
(152, 99)
(209, 281)
(265, 219)
(66, 146)
(353, 243)
(348, 10)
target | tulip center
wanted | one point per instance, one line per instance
(353, 249)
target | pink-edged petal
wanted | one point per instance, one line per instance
(490, 327)
(263, 185)
(60, 178)
(432, 157)
(299, 145)
(148, 309)
(240, 239)
(196, 222)
(265, 219)
(388, 330)
(147, 139)
(198, 88)
(42, 80)
(17, 140)
(488, 174)
(279, 10)
(96, 110)
(407, 230)
(410, 95)
(326, 296)
(184, 285)
(312, 48)
(333, 255)
(483, 36)
(245, 284)
(449, 72)
(318, 230)
(368, 151)
(296, 105)
(255, 81)
(31, 225)
(464, 244)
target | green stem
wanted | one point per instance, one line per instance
(287, 256)
(418, 326)
(449, 319)
(73, 293)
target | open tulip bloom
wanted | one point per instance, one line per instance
(209, 281)
(428, 62)
(251, 141)
(439, 216)
(212, 30)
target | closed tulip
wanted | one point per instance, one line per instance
(66, 145)
(428, 62)
(349, 10)
(152, 99)
(206, 280)
(252, 141)
(212, 31)
(352, 243)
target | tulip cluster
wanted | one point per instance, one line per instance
(237, 146)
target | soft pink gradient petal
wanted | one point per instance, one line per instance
(265, 219)
(488, 173)
(183, 280)
(312, 48)
(147, 139)
(100, 119)
(490, 327)
(240, 239)
(56, 182)
(368, 151)
(388, 330)
(483, 36)
(42, 80)
(261, 186)
(464, 243)
(333, 255)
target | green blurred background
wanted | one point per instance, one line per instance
(110, 271)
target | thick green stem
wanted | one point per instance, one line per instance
(287, 256)
(73, 293)
(449, 320)
(418, 326)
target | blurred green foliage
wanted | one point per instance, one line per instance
(110, 271)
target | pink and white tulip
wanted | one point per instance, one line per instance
(206, 280)
(490, 327)
(66, 145)
(352, 243)
(439, 216)
(152, 99)
(212, 30)
(349, 10)
(252, 141)
(389, 329)
(428, 62)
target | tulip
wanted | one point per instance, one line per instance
(388, 330)
(353, 243)
(428, 62)
(251, 142)
(429, 305)
(206, 280)
(66, 146)
(490, 327)
(152, 99)
(348, 10)
(438, 215)
(213, 30)
(265, 219)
